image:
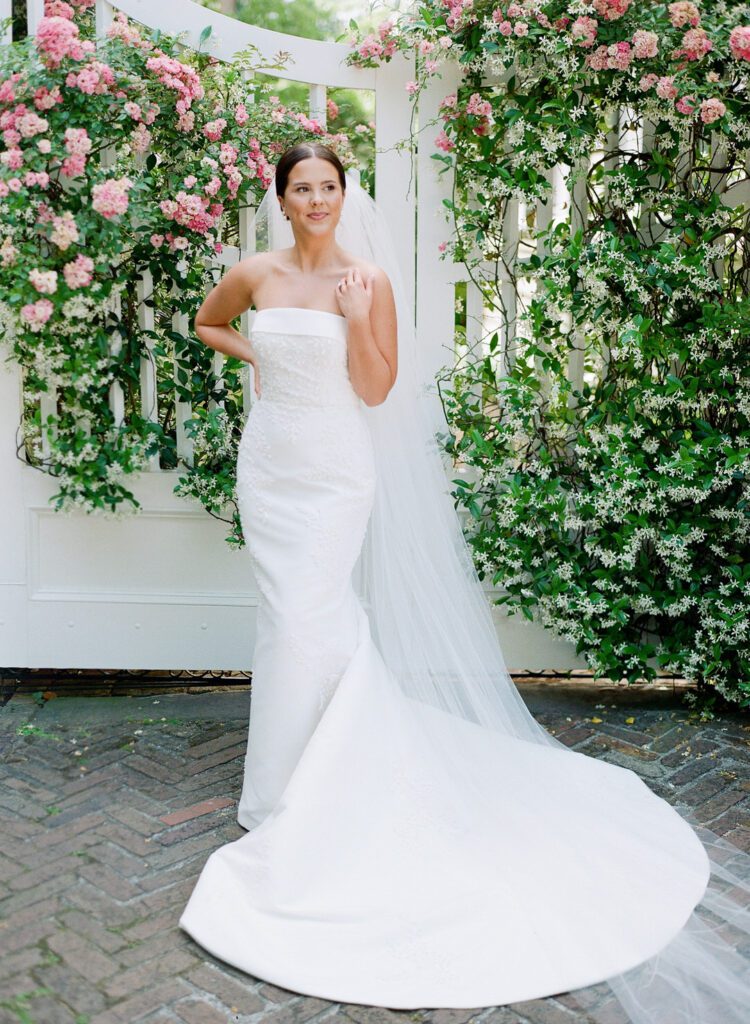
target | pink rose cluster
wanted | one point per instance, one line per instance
(64, 230)
(442, 141)
(140, 138)
(712, 110)
(460, 13)
(645, 44)
(16, 124)
(615, 57)
(482, 109)
(94, 79)
(583, 30)
(197, 213)
(514, 20)
(7, 88)
(213, 129)
(695, 44)
(611, 10)
(45, 281)
(57, 38)
(77, 145)
(381, 45)
(683, 13)
(258, 164)
(36, 314)
(179, 78)
(45, 99)
(123, 30)
(110, 198)
(78, 272)
(739, 42)
(33, 178)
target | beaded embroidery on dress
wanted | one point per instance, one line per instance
(371, 873)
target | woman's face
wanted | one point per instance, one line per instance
(313, 198)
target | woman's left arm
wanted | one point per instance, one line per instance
(370, 311)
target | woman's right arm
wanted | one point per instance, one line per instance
(227, 300)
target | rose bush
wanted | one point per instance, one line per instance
(123, 160)
(613, 504)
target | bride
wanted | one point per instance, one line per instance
(415, 838)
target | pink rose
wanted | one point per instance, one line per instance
(443, 142)
(712, 110)
(64, 230)
(36, 314)
(110, 198)
(45, 281)
(665, 87)
(645, 44)
(685, 104)
(611, 10)
(78, 272)
(583, 31)
(739, 41)
(682, 13)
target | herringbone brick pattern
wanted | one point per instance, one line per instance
(107, 823)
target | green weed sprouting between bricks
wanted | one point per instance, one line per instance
(20, 1004)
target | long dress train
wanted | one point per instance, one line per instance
(369, 873)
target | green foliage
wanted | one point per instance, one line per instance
(182, 163)
(602, 426)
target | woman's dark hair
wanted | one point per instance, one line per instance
(302, 151)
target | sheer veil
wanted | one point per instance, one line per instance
(434, 628)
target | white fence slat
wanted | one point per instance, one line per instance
(318, 110)
(6, 9)
(48, 407)
(149, 392)
(435, 277)
(183, 410)
(508, 294)
(116, 394)
(34, 14)
(104, 15)
(579, 210)
(217, 363)
(248, 245)
(392, 166)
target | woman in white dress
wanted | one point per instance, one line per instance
(415, 838)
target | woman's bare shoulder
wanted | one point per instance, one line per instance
(365, 267)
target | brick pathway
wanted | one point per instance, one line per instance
(110, 806)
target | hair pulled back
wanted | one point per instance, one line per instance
(302, 151)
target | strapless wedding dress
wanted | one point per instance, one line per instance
(367, 875)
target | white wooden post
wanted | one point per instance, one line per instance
(34, 14)
(6, 10)
(182, 410)
(149, 391)
(318, 111)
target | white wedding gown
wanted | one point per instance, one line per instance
(368, 874)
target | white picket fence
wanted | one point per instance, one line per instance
(162, 589)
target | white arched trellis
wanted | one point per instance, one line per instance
(162, 589)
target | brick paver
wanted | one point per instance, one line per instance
(110, 806)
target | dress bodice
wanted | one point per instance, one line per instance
(302, 357)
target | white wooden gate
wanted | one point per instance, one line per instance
(162, 589)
